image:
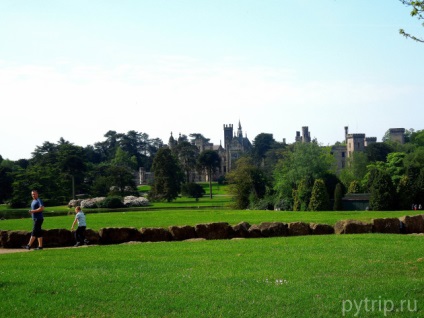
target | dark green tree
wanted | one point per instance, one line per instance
(303, 161)
(418, 188)
(261, 145)
(192, 190)
(395, 166)
(378, 151)
(210, 161)
(121, 180)
(167, 176)
(382, 192)
(187, 153)
(319, 198)
(405, 192)
(303, 194)
(124, 159)
(6, 181)
(338, 196)
(247, 183)
(46, 178)
(417, 138)
(71, 162)
(355, 170)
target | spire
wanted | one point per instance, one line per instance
(239, 131)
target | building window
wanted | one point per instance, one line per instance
(343, 154)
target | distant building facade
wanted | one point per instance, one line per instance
(235, 145)
(359, 143)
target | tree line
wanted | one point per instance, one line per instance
(272, 175)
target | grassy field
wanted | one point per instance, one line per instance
(169, 217)
(370, 275)
(312, 276)
(220, 199)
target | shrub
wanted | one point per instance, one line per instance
(355, 187)
(74, 203)
(222, 180)
(192, 190)
(112, 202)
(132, 201)
(91, 203)
(266, 203)
(18, 204)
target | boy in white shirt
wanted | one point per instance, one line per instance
(80, 232)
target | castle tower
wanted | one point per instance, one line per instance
(306, 136)
(228, 134)
(346, 128)
(370, 140)
(298, 137)
(172, 143)
(397, 135)
(355, 142)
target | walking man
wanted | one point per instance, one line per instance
(37, 208)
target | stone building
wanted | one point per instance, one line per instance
(358, 143)
(306, 135)
(235, 145)
(397, 135)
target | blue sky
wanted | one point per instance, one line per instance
(77, 69)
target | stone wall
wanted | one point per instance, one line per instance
(217, 231)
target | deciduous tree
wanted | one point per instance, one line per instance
(247, 183)
(209, 160)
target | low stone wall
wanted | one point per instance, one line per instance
(217, 231)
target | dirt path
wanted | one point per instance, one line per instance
(19, 250)
(12, 250)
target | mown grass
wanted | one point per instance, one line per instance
(220, 199)
(310, 276)
(165, 218)
(217, 189)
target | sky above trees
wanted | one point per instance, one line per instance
(77, 69)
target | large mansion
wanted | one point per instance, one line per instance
(235, 144)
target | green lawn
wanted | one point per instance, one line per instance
(217, 189)
(165, 218)
(309, 276)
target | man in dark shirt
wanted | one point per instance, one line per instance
(36, 212)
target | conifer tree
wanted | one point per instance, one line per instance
(382, 191)
(338, 195)
(167, 176)
(319, 198)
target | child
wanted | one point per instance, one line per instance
(80, 232)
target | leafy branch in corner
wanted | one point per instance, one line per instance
(418, 12)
